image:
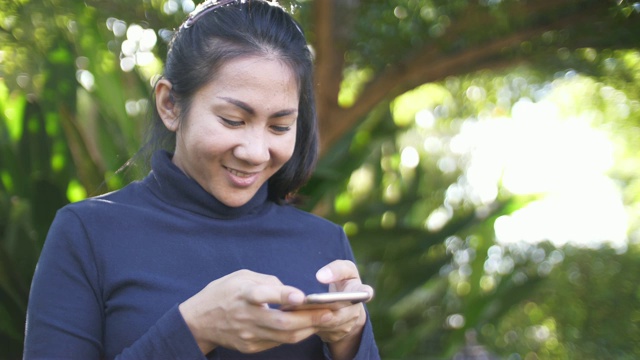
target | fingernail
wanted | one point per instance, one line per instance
(324, 275)
(296, 298)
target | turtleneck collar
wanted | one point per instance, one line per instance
(171, 185)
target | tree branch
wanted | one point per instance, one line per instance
(433, 64)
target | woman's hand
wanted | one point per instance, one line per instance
(233, 312)
(344, 330)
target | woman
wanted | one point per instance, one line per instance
(195, 260)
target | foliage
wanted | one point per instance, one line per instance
(74, 86)
(600, 301)
(437, 285)
(63, 132)
(26, 175)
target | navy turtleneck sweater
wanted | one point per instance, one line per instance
(114, 268)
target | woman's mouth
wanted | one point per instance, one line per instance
(241, 178)
(239, 173)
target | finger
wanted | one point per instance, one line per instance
(296, 320)
(352, 285)
(286, 331)
(274, 294)
(342, 275)
(247, 344)
(342, 323)
(338, 270)
(346, 321)
(261, 289)
(361, 287)
(290, 327)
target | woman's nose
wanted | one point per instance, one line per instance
(254, 147)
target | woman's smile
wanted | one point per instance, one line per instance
(241, 178)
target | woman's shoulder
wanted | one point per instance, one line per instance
(107, 213)
(129, 195)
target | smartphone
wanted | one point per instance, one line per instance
(329, 300)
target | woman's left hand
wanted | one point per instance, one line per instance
(344, 330)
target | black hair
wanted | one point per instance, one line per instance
(239, 30)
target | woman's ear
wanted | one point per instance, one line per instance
(166, 106)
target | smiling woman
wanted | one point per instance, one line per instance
(197, 259)
(240, 130)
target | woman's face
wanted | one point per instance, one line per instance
(240, 129)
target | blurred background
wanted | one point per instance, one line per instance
(482, 156)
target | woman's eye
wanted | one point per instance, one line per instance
(231, 122)
(280, 129)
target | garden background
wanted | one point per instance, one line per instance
(482, 156)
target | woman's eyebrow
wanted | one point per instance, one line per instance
(251, 111)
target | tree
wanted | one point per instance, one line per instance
(400, 45)
(584, 322)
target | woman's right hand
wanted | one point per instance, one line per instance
(233, 312)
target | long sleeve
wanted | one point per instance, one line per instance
(66, 313)
(368, 349)
(169, 338)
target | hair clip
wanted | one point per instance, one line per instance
(204, 8)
